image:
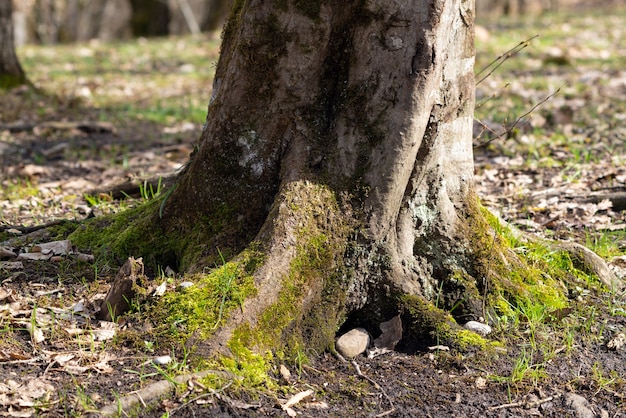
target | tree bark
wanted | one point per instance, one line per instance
(338, 140)
(11, 73)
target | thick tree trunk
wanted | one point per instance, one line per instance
(338, 140)
(11, 73)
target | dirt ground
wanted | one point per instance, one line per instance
(57, 360)
(581, 378)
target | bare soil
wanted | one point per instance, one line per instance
(572, 363)
(79, 376)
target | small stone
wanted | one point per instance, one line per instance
(579, 405)
(185, 285)
(161, 360)
(478, 327)
(88, 258)
(391, 334)
(353, 342)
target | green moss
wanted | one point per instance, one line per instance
(200, 309)
(8, 81)
(140, 232)
(512, 283)
(311, 266)
(308, 308)
(427, 325)
(233, 20)
(524, 283)
(251, 367)
(512, 275)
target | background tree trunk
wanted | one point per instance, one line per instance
(215, 14)
(339, 140)
(11, 73)
(149, 18)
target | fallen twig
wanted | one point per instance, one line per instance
(524, 404)
(377, 386)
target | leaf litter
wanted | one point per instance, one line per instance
(559, 173)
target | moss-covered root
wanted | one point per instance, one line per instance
(591, 263)
(425, 325)
(582, 257)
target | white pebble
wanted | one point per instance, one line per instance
(478, 327)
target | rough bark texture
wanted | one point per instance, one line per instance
(11, 73)
(339, 138)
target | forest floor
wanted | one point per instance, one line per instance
(111, 114)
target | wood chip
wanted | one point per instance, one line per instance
(296, 399)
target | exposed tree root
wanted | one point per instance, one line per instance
(152, 392)
(590, 262)
(616, 197)
(584, 258)
(30, 229)
(134, 187)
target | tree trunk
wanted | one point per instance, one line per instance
(47, 20)
(11, 73)
(339, 141)
(149, 17)
(217, 11)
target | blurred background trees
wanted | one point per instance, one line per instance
(11, 73)
(53, 21)
(495, 8)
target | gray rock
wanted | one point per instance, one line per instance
(391, 334)
(578, 405)
(185, 285)
(353, 342)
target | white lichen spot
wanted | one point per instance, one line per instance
(422, 213)
(250, 156)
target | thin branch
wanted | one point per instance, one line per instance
(496, 63)
(377, 386)
(491, 97)
(525, 404)
(518, 120)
